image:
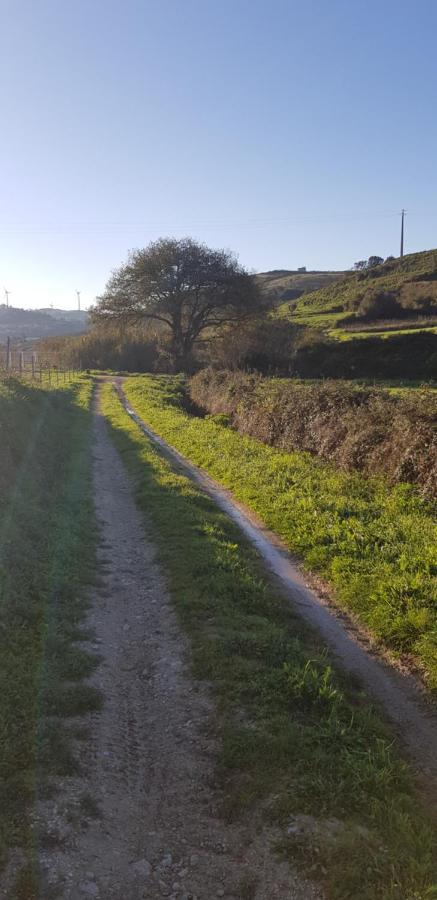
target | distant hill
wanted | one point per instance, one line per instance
(30, 324)
(398, 295)
(287, 284)
(71, 315)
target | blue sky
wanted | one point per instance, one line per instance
(291, 132)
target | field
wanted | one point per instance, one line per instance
(348, 334)
(327, 308)
(403, 356)
(46, 550)
(279, 286)
(378, 322)
(374, 544)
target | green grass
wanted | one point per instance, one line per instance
(376, 545)
(46, 558)
(319, 318)
(344, 335)
(294, 737)
(277, 286)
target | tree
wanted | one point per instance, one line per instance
(187, 287)
(368, 263)
(374, 261)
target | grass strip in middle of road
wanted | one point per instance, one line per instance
(295, 738)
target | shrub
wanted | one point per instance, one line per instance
(358, 428)
(376, 304)
(419, 296)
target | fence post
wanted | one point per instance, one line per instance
(8, 354)
(33, 366)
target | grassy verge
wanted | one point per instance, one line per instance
(296, 741)
(376, 545)
(356, 428)
(46, 556)
(344, 335)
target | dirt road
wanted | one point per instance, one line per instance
(152, 825)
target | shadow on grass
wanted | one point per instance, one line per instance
(47, 542)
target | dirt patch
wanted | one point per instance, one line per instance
(142, 820)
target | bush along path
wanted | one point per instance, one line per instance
(295, 747)
(368, 429)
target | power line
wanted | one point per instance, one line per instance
(248, 223)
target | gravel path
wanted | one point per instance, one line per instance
(149, 761)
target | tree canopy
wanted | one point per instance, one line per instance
(186, 286)
(368, 263)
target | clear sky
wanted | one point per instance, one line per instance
(291, 131)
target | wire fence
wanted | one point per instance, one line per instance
(34, 366)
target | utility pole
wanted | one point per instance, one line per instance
(402, 232)
(7, 297)
(78, 300)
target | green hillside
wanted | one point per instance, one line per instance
(398, 295)
(282, 285)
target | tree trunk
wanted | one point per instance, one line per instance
(181, 350)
